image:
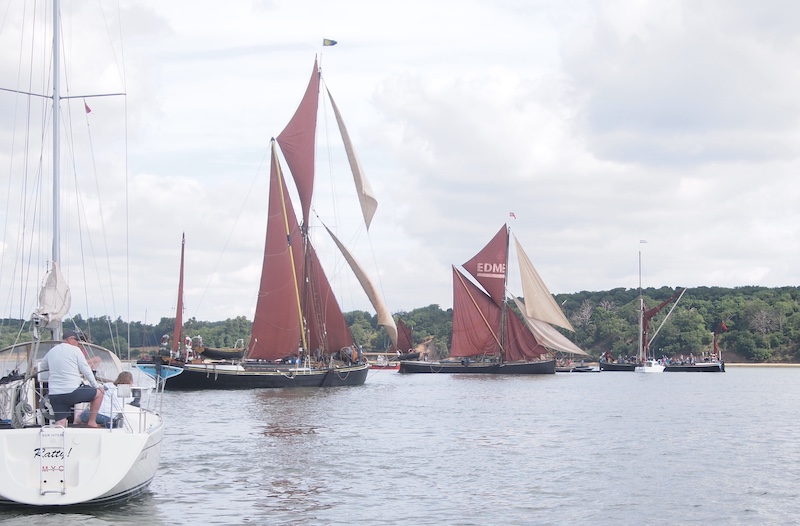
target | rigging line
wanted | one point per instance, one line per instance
(127, 180)
(230, 233)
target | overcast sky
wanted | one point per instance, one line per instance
(598, 124)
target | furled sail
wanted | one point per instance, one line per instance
(384, 316)
(177, 341)
(55, 298)
(549, 335)
(539, 303)
(365, 195)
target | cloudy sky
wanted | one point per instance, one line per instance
(597, 123)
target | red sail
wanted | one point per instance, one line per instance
(176, 334)
(489, 266)
(648, 315)
(405, 339)
(476, 320)
(520, 342)
(327, 328)
(276, 325)
(297, 142)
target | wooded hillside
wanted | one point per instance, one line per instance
(763, 324)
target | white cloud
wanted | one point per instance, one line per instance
(597, 123)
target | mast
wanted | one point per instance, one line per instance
(640, 355)
(56, 150)
(504, 306)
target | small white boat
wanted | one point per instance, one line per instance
(42, 464)
(650, 366)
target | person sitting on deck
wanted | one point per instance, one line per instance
(65, 364)
(113, 405)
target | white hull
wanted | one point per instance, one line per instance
(101, 465)
(650, 366)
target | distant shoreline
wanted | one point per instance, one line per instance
(745, 364)
(738, 364)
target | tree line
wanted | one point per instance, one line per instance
(761, 325)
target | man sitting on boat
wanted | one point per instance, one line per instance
(67, 367)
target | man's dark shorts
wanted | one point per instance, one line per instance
(63, 403)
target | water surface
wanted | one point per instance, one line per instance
(572, 448)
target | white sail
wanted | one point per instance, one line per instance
(385, 318)
(55, 298)
(365, 195)
(548, 335)
(539, 303)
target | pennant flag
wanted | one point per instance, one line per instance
(328, 42)
(722, 326)
(512, 214)
(88, 109)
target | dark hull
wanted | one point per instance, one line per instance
(578, 369)
(226, 376)
(610, 366)
(702, 367)
(221, 354)
(544, 367)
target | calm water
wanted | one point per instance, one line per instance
(601, 448)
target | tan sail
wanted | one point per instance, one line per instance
(385, 318)
(539, 303)
(548, 335)
(365, 196)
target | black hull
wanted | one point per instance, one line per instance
(221, 354)
(544, 367)
(702, 367)
(578, 369)
(227, 376)
(407, 356)
(610, 366)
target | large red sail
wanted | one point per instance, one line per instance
(297, 143)
(176, 333)
(276, 325)
(489, 266)
(520, 342)
(327, 327)
(476, 320)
